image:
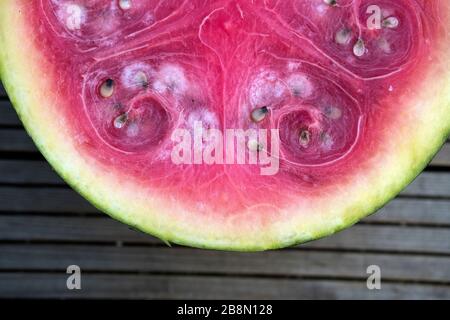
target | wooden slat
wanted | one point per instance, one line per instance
(67, 201)
(78, 229)
(16, 140)
(19, 141)
(442, 159)
(8, 115)
(189, 261)
(388, 238)
(102, 229)
(2, 91)
(434, 184)
(57, 200)
(28, 172)
(48, 285)
(414, 211)
(43, 200)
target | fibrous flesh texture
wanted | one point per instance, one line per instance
(346, 84)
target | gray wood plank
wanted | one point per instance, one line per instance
(433, 184)
(2, 91)
(8, 115)
(413, 211)
(68, 229)
(48, 285)
(54, 201)
(294, 263)
(16, 140)
(43, 200)
(61, 200)
(28, 172)
(103, 229)
(389, 239)
(442, 159)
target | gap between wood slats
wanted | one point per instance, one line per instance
(190, 287)
(287, 263)
(422, 240)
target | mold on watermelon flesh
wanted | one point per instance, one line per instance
(136, 71)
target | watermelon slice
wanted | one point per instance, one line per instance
(352, 97)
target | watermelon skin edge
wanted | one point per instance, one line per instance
(19, 69)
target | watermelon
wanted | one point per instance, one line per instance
(232, 124)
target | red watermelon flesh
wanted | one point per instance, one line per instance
(118, 78)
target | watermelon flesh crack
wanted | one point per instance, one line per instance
(131, 73)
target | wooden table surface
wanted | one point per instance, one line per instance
(45, 227)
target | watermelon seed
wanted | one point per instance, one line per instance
(305, 138)
(359, 48)
(107, 88)
(391, 23)
(125, 4)
(120, 121)
(254, 145)
(259, 114)
(343, 36)
(141, 79)
(331, 3)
